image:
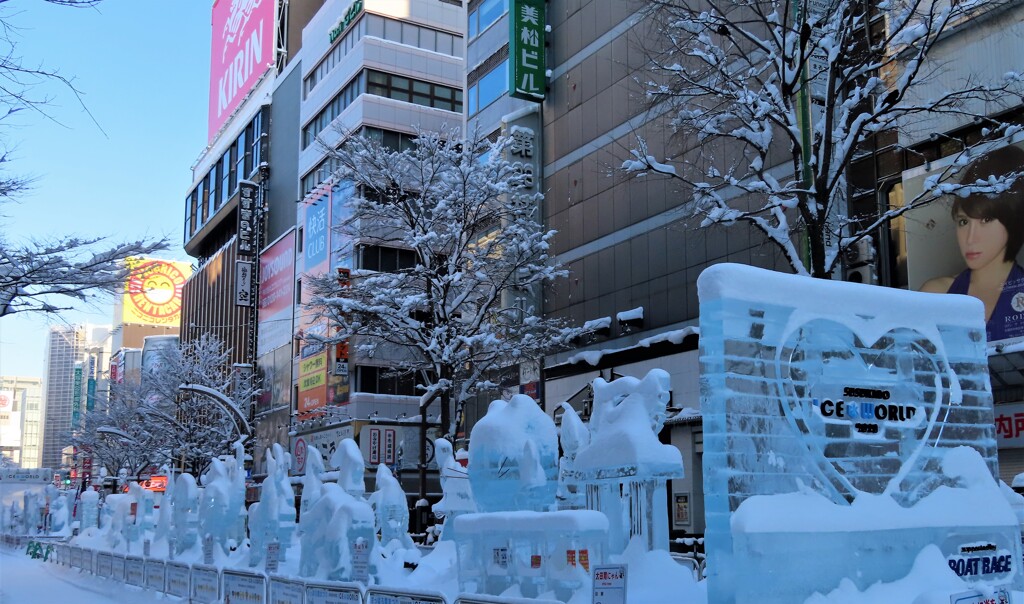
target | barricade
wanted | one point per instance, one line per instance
(324, 592)
(381, 595)
(486, 599)
(244, 586)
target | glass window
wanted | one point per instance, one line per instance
(393, 30)
(444, 43)
(203, 195)
(428, 39)
(374, 26)
(211, 180)
(410, 34)
(421, 94)
(487, 13)
(488, 88)
(225, 178)
(247, 168)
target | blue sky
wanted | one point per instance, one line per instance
(143, 69)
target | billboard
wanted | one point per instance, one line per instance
(947, 254)
(314, 215)
(277, 290)
(241, 51)
(153, 292)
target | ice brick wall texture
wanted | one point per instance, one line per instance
(841, 389)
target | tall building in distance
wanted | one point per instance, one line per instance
(75, 365)
(21, 420)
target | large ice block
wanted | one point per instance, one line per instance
(865, 406)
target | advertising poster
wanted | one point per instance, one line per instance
(241, 51)
(314, 215)
(942, 256)
(153, 292)
(276, 374)
(277, 291)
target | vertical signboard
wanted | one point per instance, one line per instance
(243, 283)
(76, 395)
(526, 62)
(241, 51)
(247, 200)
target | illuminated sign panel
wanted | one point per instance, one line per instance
(241, 51)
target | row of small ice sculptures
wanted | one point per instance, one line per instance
(520, 516)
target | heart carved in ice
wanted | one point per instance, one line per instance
(864, 410)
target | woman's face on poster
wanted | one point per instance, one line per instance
(982, 240)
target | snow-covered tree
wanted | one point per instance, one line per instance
(459, 305)
(774, 99)
(119, 434)
(195, 428)
(57, 275)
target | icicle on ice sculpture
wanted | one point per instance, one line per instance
(846, 428)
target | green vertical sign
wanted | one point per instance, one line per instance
(90, 394)
(526, 62)
(76, 395)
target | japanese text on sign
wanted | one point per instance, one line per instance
(527, 79)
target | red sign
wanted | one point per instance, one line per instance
(241, 52)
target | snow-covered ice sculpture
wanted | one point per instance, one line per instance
(351, 467)
(573, 436)
(513, 458)
(625, 468)
(847, 428)
(457, 495)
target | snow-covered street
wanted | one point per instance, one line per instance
(27, 581)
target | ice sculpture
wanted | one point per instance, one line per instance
(163, 529)
(184, 515)
(236, 495)
(625, 467)
(60, 516)
(90, 502)
(215, 514)
(349, 461)
(457, 496)
(513, 459)
(573, 436)
(336, 523)
(835, 416)
(312, 484)
(272, 518)
(391, 509)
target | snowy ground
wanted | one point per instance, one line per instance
(27, 581)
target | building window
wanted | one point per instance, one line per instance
(256, 143)
(385, 259)
(333, 109)
(385, 380)
(488, 88)
(384, 28)
(402, 88)
(486, 14)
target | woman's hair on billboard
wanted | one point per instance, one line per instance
(1006, 207)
